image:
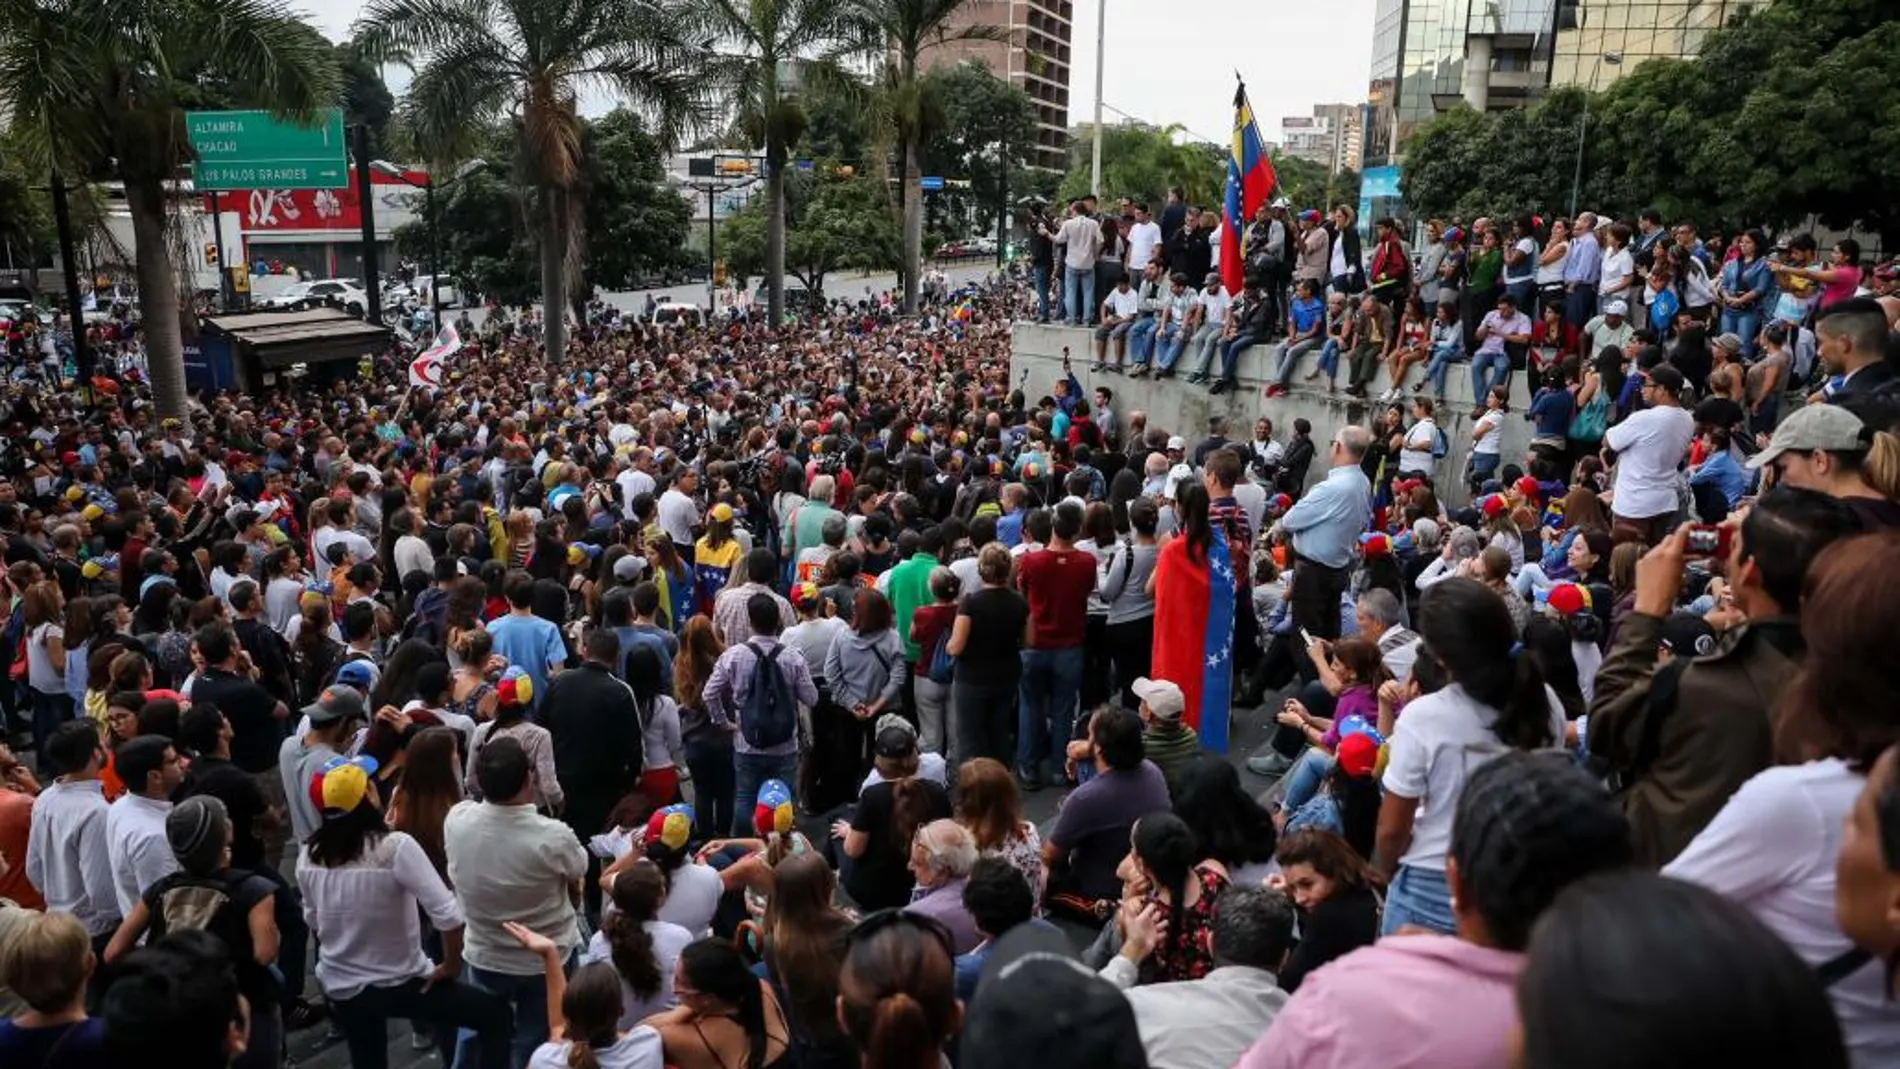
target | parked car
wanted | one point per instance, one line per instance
(317, 292)
(446, 295)
(668, 313)
(982, 247)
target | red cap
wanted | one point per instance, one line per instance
(1569, 598)
(69, 458)
(1527, 487)
(1358, 754)
(1493, 505)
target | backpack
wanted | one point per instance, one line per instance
(428, 618)
(202, 903)
(769, 716)
(1440, 444)
(942, 665)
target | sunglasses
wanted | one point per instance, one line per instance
(873, 923)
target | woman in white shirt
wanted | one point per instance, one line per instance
(584, 1023)
(365, 890)
(1487, 436)
(411, 553)
(1618, 279)
(659, 726)
(1550, 264)
(1416, 453)
(642, 949)
(1775, 846)
(1496, 701)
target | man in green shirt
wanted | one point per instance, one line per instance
(909, 586)
(1166, 741)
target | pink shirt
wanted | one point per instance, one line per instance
(1406, 1002)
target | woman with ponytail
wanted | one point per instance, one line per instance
(727, 1018)
(897, 992)
(640, 946)
(585, 1027)
(1164, 855)
(1494, 701)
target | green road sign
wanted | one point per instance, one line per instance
(251, 150)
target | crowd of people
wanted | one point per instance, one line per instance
(677, 699)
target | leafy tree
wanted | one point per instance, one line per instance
(478, 60)
(765, 48)
(1141, 161)
(365, 99)
(484, 240)
(836, 223)
(898, 32)
(101, 86)
(636, 222)
(982, 116)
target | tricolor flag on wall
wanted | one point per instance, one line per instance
(1250, 181)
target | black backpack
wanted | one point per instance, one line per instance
(769, 716)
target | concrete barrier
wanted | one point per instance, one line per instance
(1172, 404)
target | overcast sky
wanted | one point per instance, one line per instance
(1174, 62)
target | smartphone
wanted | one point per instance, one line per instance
(1708, 540)
(1306, 636)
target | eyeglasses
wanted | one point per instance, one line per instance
(873, 923)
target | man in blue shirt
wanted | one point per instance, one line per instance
(1325, 526)
(526, 640)
(1720, 473)
(1583, 265)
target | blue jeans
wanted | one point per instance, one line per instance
(1481, 380)
(528, 995)
(1078, 294)
(1744, 323)
(1141, 339)
(50, 710)
(1421, 897)
(1530, 580)
(1051, 683)
(750, 770)
(1580, 303)
(1443, 356)
(1329, 359)
(1523, 292)
(1169, 340)
(1304, 779)
(1230, 355)
(1484, 466)
(1290, 358)
(1040, 272)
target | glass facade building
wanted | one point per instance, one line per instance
(1640, 29)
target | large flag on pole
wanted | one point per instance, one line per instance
(426, 368)
(1250, 181)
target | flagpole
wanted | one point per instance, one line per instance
(1101, 23)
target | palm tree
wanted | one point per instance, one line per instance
(99, 88)
(900, 31)
(755, 47)
(476, 61)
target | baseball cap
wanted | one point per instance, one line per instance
(805, 595)
(1730, 342)
(773, 815)
(1357, 754)
(342, 783)
(1164, 698)
(1666, 377)
(355, 674)
(1041, 1007)
(1829, 428)
(1616, 308)
(1177, 442)
(1492, 505)
(1375, 544)
(1568, 599)
(99, 566)
(1528, 486)
(629, 568)
(338, 701)
(1687, 635)
(516, 687)
(670, 826)
(721, 512)
(895, 737)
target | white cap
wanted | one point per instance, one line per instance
(1616, 308)
(1177, 442)
(1164, 699)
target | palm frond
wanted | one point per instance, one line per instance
(407, 31)
(290, 70)
(456, 93)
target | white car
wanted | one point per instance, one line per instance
(317, 292)
(446, 295)
(986, 246)
(673, 313)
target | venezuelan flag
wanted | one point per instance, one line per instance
(1250, 181)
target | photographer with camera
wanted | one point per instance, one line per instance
(1679, 733)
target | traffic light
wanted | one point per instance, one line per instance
(211, 254)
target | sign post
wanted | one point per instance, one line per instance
(250, 150)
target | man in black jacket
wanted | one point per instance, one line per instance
(598, 749)
(1248, 327)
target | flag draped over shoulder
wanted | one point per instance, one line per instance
(1250, 181)
(1194, 634)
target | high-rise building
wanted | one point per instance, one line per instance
(1428, 55)
(1035, 58)
(1332, 136)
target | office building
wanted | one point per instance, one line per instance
(1035, 58)
(1429, 55)
(1333, 136)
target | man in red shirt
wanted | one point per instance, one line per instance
(1056, 581)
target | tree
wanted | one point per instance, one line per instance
(366, 100)
(988, 135)
(636, 223)
(836, 222)
(497, 261)
(101, 86)
(763, 50)
(1142, 162)
(478, 60)
(899, 32)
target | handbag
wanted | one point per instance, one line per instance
(1590, 424)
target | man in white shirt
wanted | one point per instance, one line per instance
(1143, 239)
(1118, 315)
(1081, 240)
(1208, 318)
(135, 824)
(509, 863)
(341, 517)
(635, 479)
(66, 854)
(678, 513)
(1649, 449)
(1211, 1021)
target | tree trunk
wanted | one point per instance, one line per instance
(554, 273)
(775, 235)
(913, 222)
(158, 298)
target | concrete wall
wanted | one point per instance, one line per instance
(1036, 364)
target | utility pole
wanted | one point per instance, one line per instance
(372, 289)
(1101, 37)
(217, 231)
(69, 260)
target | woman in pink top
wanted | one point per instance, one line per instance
(1527, 826)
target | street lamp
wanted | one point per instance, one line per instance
(1614, 59)
(468, 167)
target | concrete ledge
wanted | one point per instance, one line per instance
(1179, 408)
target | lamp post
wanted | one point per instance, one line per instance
(427, 186)
(1614, 59)
(1095, 166)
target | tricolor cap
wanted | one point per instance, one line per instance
(670, 826)
(721, 512)
(516, 687)
(1280, 502)
(99, 566)
(1528, 487)
(1493, 505)
(805, 595)
(1568, 599)
(91, 513)
(995, 464)
(75, 494)
(917, 436)
(342, 784)
(773, 815)
(1358, 754)
(1375, 544)
(579, 553)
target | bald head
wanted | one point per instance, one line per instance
(1155, 466)
(1353, 441)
